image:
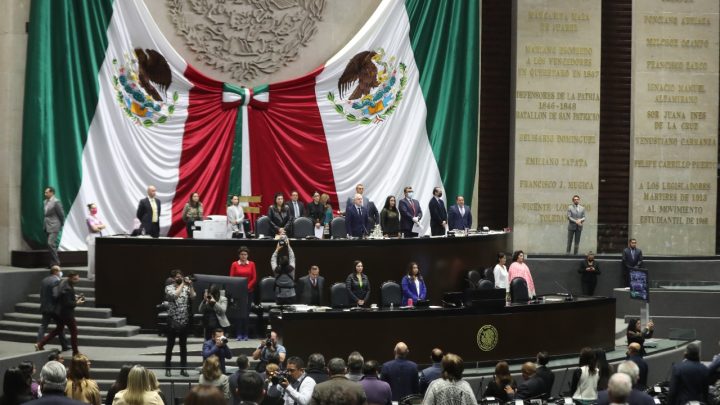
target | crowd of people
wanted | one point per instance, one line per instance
(281, 379)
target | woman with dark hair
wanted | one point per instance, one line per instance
(585, 378)
(282, 262)
(193, 211)
(79, 385)
(28, 368)
(213, 308)
(120, 383)
(16, 387)
(358, 285)
(500, 273)
(637, 334)
(451, 388)
(502, 386)
(279, 215)
(244, 268)
(589, 270)
(178, 295)
(413, 285)
(519, 268)
(390, 218)
(604, 369)
(205, 395)
(316, 209)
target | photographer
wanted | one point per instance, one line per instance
(283, 264)
(217, 346)
(298, 387)
(268, 347)
(178, 296)
(212, 308)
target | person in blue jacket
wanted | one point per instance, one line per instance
(413, 285)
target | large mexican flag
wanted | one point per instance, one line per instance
(110, 107)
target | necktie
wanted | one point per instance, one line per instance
(359, 211)
(314, 282)
(462, 211)
(410, 201)
(297, 214)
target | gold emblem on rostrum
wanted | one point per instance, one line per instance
(487, 338)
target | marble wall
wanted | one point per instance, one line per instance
(556, 121)
(674, 148)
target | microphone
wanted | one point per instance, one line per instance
(567, 292)
(478, 393)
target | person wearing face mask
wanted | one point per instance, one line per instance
(48, 304)
(178, 319)
(410, 213)
(95, 229)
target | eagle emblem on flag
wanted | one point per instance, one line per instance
(141, 82)
(370, 88)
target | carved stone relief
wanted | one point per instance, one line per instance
(246, 37)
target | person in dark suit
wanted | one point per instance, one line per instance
(544, 373)
(373, 214)
(65, 310)
(433, 372)
(689, 379)
(53, 381)
(459, 215)
(401, 373)
(295, 206)
(338, 389)
(316, 368)
(311, 287)
(410, 213)
(243, 365)
(589, 270)
(633, 354)
(637, 396)
(358, 285)
(356, 219)
(251, 389)
(47, 305)
(279, 215)
(632, 258)
(438, 213)
(52, 223)
(532, 386)
(148, 212)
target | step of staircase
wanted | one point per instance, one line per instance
(80, 311)
(127, 330)
(112, 322)
(85, 283)
(87, 291)
(137, 341)
(89, 301)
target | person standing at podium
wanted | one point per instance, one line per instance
(235, 218)
(410, 213)
(148, 213)
(438, 213)
(95, 229)
(192, 212)
(413, 285)
(358, 285)
(589, 270)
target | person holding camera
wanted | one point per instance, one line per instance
(297, 386)
(178, 296)
(268, 348)
(65, 302)
(283, 264)
(217, 346)
(212, 308)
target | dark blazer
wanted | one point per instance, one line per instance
(304, 288)
(438, 214)
(47, 300)
(636, 397)
(548, 378)
(144, 213)
(402, 375)
(643, 367)
(429, 375)
(589, 277)
(316, 212)
(406, 216)
(325, 391)
(356, 224)
(373, 213)
(629, 261)
(355, 291)
(457, 221)
(532, 388)
(689, 382)
(279, 219)
(291, 209)
(54, 398)
(390, 221)
(66, 301)
(234, 378)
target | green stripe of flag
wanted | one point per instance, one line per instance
(66, 47)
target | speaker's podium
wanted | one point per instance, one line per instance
(490, 298)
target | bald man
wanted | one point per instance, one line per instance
(433, 372)
(148, 212)
(401, 373)
(532, 386)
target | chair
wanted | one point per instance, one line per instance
(519, 290)
(390, 293)
(303, 227)
(339, 296)
(267, 300)
(489, 274)
(262, 227)
(474, 278)
(485, 284)
(337, 228)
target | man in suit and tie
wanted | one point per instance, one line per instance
(438, 213)
(356, 219)
(297, 209)
(148, 212)
(532, 387)
(410, 213)
(47, 305)
(311, 287)
(373, 213)
(459, 215)
(53, 223)
(576, 218)
(632, 258)
(689, 380)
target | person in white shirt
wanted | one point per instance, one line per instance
(500, 273)
(235, 217)
(299, 387)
